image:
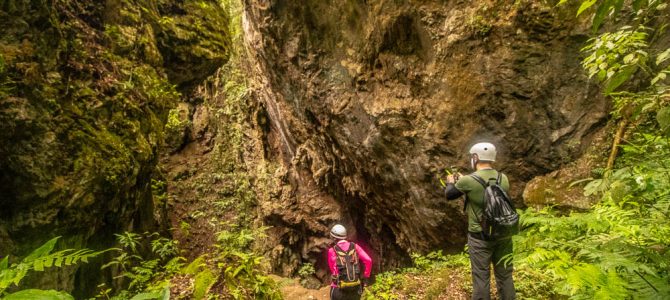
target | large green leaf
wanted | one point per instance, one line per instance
(34, 294)
(585, 5)
(620, 78)
(42, 250)
(663, 119)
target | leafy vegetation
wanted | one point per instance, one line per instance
(39, 260)
(619, 248)
(430, 276)
(145, 261)
(242, 267)
(306, 270)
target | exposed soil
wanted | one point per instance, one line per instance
(291, 289)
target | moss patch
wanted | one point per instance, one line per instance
(84, 95)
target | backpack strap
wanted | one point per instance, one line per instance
(479, 179)
(340, 254)
(350, 251)
(483, 182)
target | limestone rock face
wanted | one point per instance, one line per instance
(368, 102)
(83, 100)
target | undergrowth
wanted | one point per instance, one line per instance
(39, 260)
(618, 249)
(431, 275)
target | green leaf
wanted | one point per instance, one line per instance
(660, 77)
(602, 74)
(58, 262)
(202, 283)
(663, 118)
(166, 292)
(34, 294)
(38, 265)
(147, 296)
(19, 275)
(576, 182)
(49, 262)
(619, 78)
(629, 58)
(4, 263)
(601, 13)
(6, 278)
(663, 57)
(585, 5)
(42, 250)
(194, 267)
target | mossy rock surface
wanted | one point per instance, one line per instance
(85, 90)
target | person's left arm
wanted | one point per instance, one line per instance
(365, 259)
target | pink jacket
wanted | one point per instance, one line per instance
(363, 257)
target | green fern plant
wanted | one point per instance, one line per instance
(617, 250)
(40, 260)
(620, 248)
(242, 273)
(145, 260)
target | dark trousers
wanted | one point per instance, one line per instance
(351, 293)
(482, 254)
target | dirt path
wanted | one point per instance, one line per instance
(292, 290)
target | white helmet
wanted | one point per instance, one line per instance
(338, 232)
(484, 151)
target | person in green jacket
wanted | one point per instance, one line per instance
(483, 251)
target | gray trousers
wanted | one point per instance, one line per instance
(482, 254)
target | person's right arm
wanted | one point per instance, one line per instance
(452, 192)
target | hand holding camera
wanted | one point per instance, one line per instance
(452, 174)
(453, 177)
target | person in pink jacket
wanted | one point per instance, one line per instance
(344, 260)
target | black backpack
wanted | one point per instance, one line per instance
(347, 266)
(499, 218)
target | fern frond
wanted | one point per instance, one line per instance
(41, 259)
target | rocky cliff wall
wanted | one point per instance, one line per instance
(368, 101)
(85, 87)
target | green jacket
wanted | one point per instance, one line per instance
(474, 193)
